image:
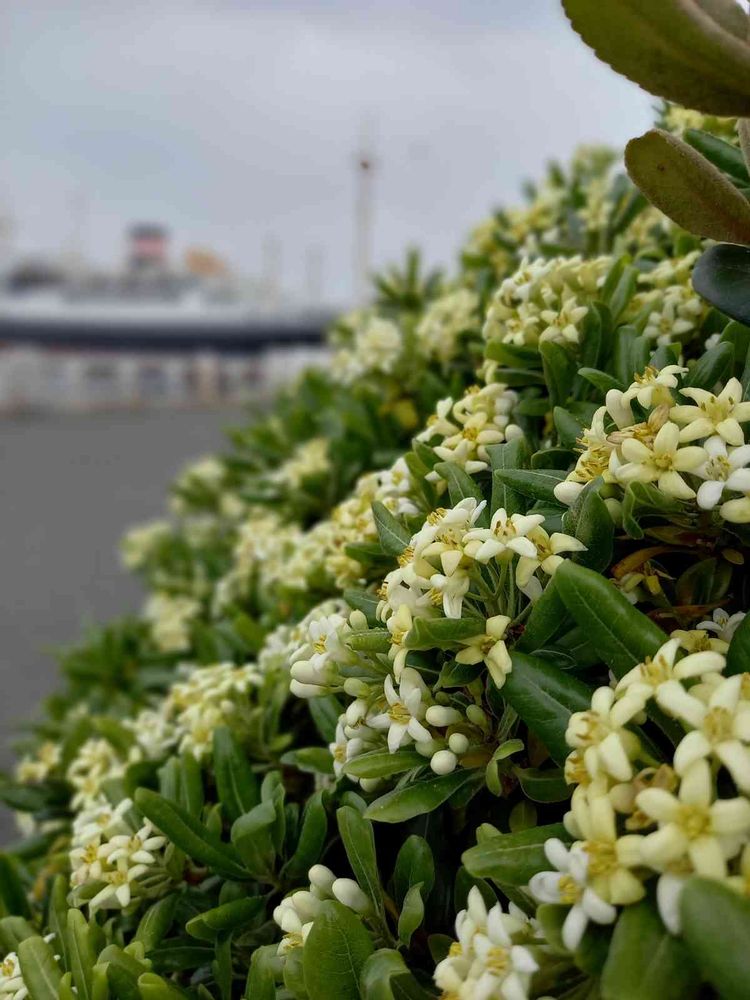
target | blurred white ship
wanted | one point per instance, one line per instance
(147, 335)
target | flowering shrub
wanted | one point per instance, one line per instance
(440, 689)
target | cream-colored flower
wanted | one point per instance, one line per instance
(693, 825)
(607, 747)
(405, 710)
(723, 470)
(723, 731)
(662, 463)
(489, 647)
(653, 387)
(712, 414)
(548, 555)
(505, 537)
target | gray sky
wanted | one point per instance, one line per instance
(230, 119)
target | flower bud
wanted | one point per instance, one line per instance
(369, 784)
(443, 762)
(355, 687)
(476, 716)
(306, 690)
(458, 743)
(439, 715)
(321, 878)
(349, 894)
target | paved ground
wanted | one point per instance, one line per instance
(69, 486)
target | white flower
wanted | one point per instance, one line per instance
(402, 719)
(723, 470)
(661, 463)
(485, 964)
(713, 414)
(12, 985)
(652, 388)
(723, 624)
(547, 555)
(170, 619)
(569, 886)
(451, 590)
(489, 647)
(651, 678)
(506, 535)
(723, 731)
(692, 825)
(598, 732)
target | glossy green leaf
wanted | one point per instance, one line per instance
(543, 785)
(512, 858)
(414, 865)
(156, 921)
(12, 893)
(207, 926)
(722, 276)
(716, 929)
(590, 522)
(253, 839)
(393, 536)
(335, 952)
(385, 976)
(441, 633)
(642, 500)
(189, 834)
(261, 979)
(538, 484)
(738, 654)
(153, 987)
(545, 697)
(311, 839)
(418, 797)
(645, 961)
(548, 617)
(461, 486)
(559, 367)
(412, 914)
(82, 957)
(723, 155)
(511, 455)
(687, 188)
(383, 763)
(619, 632)
(673, 49)
(41, 973)
(715, 365)
(358, 839)
(236, 784)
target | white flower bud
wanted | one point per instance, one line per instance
(321, 878)
(444, 762)
(358, 620)
(458, 743)
(369, 784)
(349, 894)
(306, 673)
(356, 712)
(306, 690)
(567, 492)
(439, 715)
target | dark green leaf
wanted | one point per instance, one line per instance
(393, 536)
(716, 929)
(513, 857)
(382, 763)
(722, 276)
(539, 484)
(359, 843)
(335, 951)
(738, 654)
(41, 973)
(236, 784)
(418, 798)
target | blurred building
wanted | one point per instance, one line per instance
(150, 333)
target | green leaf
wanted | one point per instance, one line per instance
(393, 536)
(385, 976)
(645, 962)
(236, 784)
(712, 367)
(253, 838)
(513, 858)
(559, 371)
(412, 914)
(512, 455)
(82, 956)
(545, 697)
(156, 921)
(207, 926)
(153, 987)
(602, 381)
(645, 500)
(672, 48)
(461, 487)
(383, 764)
(414, 865)
(418, 798)
(358, 839)
(619, 632)
(335, 952)
(190, 835)
(548, 617)
(311, 839)
(547, 785)
(590, 522)
(716, 929)
(738, 654)
(41, 973)
(686, 187)
(539, 484)
(569, 428)
(12, 894)
(261, 979)
(13, 930)
(442, 633)
(722, 276)
(723, 155)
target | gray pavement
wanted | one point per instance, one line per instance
(69, 486)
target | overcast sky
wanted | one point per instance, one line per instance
(229, 120)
